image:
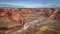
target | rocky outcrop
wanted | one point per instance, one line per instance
(10, 17)
(55, 15)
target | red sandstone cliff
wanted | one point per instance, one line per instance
(10, 15)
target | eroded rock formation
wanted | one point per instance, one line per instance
(10, 16)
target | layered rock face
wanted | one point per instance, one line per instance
(51, 13)
(10, 17)
(16, 17)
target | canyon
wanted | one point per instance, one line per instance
(16, 17)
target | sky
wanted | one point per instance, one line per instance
(30, 3)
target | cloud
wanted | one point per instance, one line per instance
(29, 5)
(10, 5)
